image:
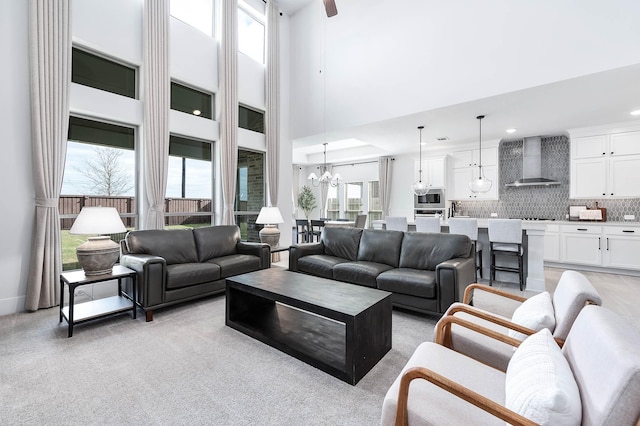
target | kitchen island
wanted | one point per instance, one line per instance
(532, 241)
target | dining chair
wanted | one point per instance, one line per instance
(315, 229)
(428, 224)
(361, 220)
(302, 230)
(396, 223)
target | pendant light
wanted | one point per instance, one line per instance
(481, 184)
(326, 178)
(420, 188)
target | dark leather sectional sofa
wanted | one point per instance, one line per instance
(178, 265)
(425, 272)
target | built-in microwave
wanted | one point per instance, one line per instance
(434, 199)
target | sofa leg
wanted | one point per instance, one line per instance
(149, 315)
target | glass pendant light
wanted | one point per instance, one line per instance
(420, 188)
(481, 184)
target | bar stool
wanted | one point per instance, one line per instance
(428, 224)
(396, 223)
(316, 229)
(302, 229)
(468, 227)
(505, 238)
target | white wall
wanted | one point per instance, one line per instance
(388, 59)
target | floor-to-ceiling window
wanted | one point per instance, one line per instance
(353, 200)
(250, 193)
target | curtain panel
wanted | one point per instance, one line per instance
(50, 77)
(385, 169)
(295, 188)
(273, 101)
(229, 107)
(156, 98)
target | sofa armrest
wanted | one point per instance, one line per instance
(261, 250)
(452, 277)
(152, 272)
(297, 251)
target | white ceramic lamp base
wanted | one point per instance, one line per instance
(270, 234)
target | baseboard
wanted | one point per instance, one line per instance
(12, 305)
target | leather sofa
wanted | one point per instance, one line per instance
(426, 272)
(174, 266)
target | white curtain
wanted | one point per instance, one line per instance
(229, 107)
(156, 97)
(50, 75)
(295, 188)
(385, 168)
(324, 192)
(273, 101)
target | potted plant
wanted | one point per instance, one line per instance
(307, 201)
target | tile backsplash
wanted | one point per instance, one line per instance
(540, 201)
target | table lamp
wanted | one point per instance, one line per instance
(270, 217)
(98, 255)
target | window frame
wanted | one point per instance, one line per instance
(256, 110)
(212, 99)
(101, 55)
(261, 19)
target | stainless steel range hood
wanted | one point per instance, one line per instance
(531, 165)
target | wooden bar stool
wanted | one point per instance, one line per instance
(505, 238)
(469, 227)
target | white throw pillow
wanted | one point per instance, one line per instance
(535, 313)
(539, 384)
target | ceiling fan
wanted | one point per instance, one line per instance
(330, 7)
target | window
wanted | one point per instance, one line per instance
(100, 73)
(251, 119)
(189, 183)
(249, 193)
(191, 101)
(197, 13)
(353, 202)
(250, 36)
(333, 203)
(99, 171)
(375, 204)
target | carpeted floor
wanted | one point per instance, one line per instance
(185, 367)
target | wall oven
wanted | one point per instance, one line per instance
(432, 200)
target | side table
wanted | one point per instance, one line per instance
(96, 308)
(275, 252)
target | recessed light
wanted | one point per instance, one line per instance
(511, 130)
(197, 112)
(636, 112)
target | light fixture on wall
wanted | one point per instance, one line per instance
(98, 255)
(419, 187)
(480, 184)
(326, 178)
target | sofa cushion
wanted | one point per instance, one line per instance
(187, 274)
(341, 242)
(425, 250)
(362, 273)
(216, 241)
(236, 264)
(319, 264)
(413, 282)
(175, 246)
(535, 313)
(539, 384)
(380, 246)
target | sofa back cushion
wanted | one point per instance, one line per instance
(341, 242)
(175, 246)
(425, 251)
(216, 241)
(380, 246)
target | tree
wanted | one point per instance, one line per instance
(105, 173)
(307, 201)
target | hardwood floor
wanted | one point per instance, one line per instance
(620, 293)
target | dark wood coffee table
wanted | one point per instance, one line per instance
(342, 329)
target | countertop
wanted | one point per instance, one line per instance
(541, 224)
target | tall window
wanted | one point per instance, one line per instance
(197, 13)
(189, 183)
(250, 194)
(333, 203)
(375, 206)
(250, 119)
(191, 101)
(100, 73)
(353, 200)
(99, 171)
(250, 35)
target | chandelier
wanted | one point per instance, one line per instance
(326, 178)
(481, 184)
(418, 187)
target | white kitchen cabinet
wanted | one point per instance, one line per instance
(605, 166)
(621, 247)
(471, 157)
(464, 168)
(552, 243)
(581, 244)
(433, 171)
